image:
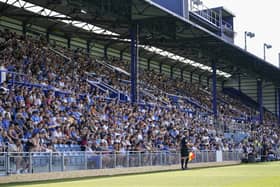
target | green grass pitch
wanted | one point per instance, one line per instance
(246, 175)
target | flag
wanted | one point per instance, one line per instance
(191, 156)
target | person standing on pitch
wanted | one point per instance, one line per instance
(184, 151)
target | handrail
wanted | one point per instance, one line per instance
(48, 87)
(15, 75)
(104, 64)
(124, 81)
(120, 70)
(152, 96)
(103, 84)
(109, 66)
(112, 67)
(182, 97)
(190, 101)
(12, 72)
(59, 53)
(95, 83)
(108, 87)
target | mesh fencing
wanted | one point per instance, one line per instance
(15, 163)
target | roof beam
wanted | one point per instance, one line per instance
(4, 8)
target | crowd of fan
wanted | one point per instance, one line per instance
(231, 110)
(162, 83)
(65, 109)
(40, 119)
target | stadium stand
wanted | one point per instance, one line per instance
(55, 99)
(50, 107)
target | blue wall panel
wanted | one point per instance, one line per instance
(175, 6)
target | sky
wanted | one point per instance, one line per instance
(259, 17)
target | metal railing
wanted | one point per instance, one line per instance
(13, 77)
(31, 162)
(211, 16)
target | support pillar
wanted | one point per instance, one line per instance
(260, 99)
(199, 79)
(88, 47)
(24, 29)
(223, 84)
(171, 72)
(121, 55)
(149, 64)
(105, 52)
(276, 101)
(279, 105)
(69, 43)
(48, 36)
(133, 64)
(160, 67)
(182, 75)
(239, 82)
(214, 89)
(122, 52)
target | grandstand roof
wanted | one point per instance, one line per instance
(109, 21)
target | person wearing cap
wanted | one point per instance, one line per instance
(184, 151)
